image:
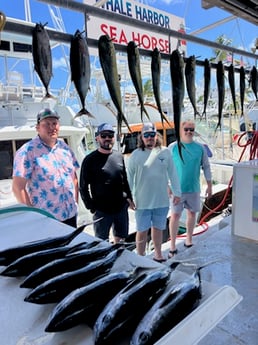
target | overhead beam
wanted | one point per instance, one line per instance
(245, 9)
(21, 27)
(100, 12)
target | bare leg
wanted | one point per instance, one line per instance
(190, 224)
(141, 240)
(118, 239)
(173, 229)
(157, 236)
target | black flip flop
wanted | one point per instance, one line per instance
(188, 245)
(171, 253)
(159, 260)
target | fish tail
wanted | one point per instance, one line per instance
(218, 126)
(204, 114)
(47, 97)
(84, 111)
(197, 113)
(78, 230)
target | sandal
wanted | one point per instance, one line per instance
(159, 260)
(188, 245)
(172, 253)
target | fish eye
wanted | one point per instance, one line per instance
(106, 318)
(144, 337)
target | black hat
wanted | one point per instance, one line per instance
(45, 113)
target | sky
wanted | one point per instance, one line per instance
(240, 32)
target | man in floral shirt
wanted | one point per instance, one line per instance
(44, 171)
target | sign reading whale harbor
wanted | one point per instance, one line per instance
(124, 33)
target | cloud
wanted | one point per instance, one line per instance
(173, 2)
(167, 2)
(59, 63)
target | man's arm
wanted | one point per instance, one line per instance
(76, 186)
(19, 190)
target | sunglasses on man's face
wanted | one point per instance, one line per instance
(149, 135)
(107, 135)
(189, 129)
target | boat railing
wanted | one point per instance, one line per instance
(20, 94)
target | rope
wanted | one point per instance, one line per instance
(253, 143)
(25, 208)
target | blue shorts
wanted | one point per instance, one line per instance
(156, 217)
(118, 221)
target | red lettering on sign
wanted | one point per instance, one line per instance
(144, 41)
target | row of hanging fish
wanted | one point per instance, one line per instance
(183, 72)
(141, 304)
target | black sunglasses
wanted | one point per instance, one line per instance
(149, 135)
(189, 129)
(106, 135)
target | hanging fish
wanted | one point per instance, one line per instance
(42, 56)
(178, 90)
(220, 75)
(190, 67)
(242, 88)
(253, 81)
(207, 82)
(107, 57)
(133, 57)
(231, 81)
(80, 69)
(2, 22)
(155, 73)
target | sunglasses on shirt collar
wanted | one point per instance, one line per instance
(189, 129)
(149, 135)
(107, 135)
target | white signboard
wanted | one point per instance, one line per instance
(124, 33)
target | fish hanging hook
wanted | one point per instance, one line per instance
(2, 22)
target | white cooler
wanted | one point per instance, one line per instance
(245, 200)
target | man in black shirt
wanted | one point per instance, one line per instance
(104, 187)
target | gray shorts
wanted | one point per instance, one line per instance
(190, 201)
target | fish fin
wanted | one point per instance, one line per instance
(143, 110)
(164, 118)
(196, 113)
(84, 111)
(180, 147)
(218, 126)
(122, 118)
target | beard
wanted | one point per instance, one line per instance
(106, 146)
